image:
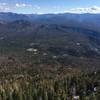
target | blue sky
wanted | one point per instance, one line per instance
(50, 6)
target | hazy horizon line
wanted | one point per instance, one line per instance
(51, 13)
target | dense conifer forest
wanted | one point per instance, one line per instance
(77, 86)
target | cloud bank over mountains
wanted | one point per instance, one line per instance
(94, 9)
(4, 7)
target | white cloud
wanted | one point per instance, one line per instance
(3, 4)
(4, 7)
(94, 9)
(23, 5)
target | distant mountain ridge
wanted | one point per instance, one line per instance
(89, 21)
